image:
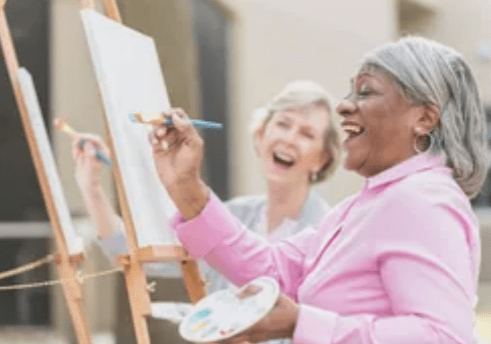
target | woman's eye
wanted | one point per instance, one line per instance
(308, 135)
(282, 124)
(364, 92)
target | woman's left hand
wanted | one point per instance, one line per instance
(279, 323)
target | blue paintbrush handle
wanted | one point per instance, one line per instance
(103, 158)
(99, 155)
(197, 123)
(206, 124)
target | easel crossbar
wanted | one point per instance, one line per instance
(164, 253)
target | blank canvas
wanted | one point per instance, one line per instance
(73, 241)
(131, 81)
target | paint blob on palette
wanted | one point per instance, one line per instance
(223, 314)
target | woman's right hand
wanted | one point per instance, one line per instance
(87, 166)
(178, 154)
(177, 150)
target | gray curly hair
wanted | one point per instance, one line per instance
(431, 73)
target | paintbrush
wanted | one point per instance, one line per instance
(167, 121)
(63, 126)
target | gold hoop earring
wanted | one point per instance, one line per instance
(429, 146)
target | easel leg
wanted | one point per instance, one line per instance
(139, 299)
(194, 282)
(73, 295)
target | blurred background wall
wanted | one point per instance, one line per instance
(222, 59)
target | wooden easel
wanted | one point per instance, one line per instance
(136, 283)
(66, 264)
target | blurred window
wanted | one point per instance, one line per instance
(211, 31)
(22, 208)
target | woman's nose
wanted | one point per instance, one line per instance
(290, 135)
(346, 106)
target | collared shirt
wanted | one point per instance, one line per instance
(395, 264)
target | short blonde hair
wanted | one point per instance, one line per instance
(301, 94)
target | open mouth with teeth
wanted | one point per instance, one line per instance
(282, 159)
(353, 130)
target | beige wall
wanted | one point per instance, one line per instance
(465, 25)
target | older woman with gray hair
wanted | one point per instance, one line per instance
(398, 262)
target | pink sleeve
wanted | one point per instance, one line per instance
(238, 253)
(425, 265)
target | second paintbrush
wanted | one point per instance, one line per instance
(63, 126)
(167, 121)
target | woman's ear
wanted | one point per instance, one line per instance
(258, 139)
(429, 118)
(324, 160)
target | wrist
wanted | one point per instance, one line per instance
(181, 184)
(190, 195)
(293, 321)
(182, 180)
(290, 312)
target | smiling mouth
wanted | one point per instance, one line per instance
(282, 159)
(353, 130)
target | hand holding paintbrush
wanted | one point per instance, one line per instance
(61, 125)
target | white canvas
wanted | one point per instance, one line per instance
(130, 79)
(73, 241)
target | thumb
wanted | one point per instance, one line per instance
(249, 290)
(181, 122)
